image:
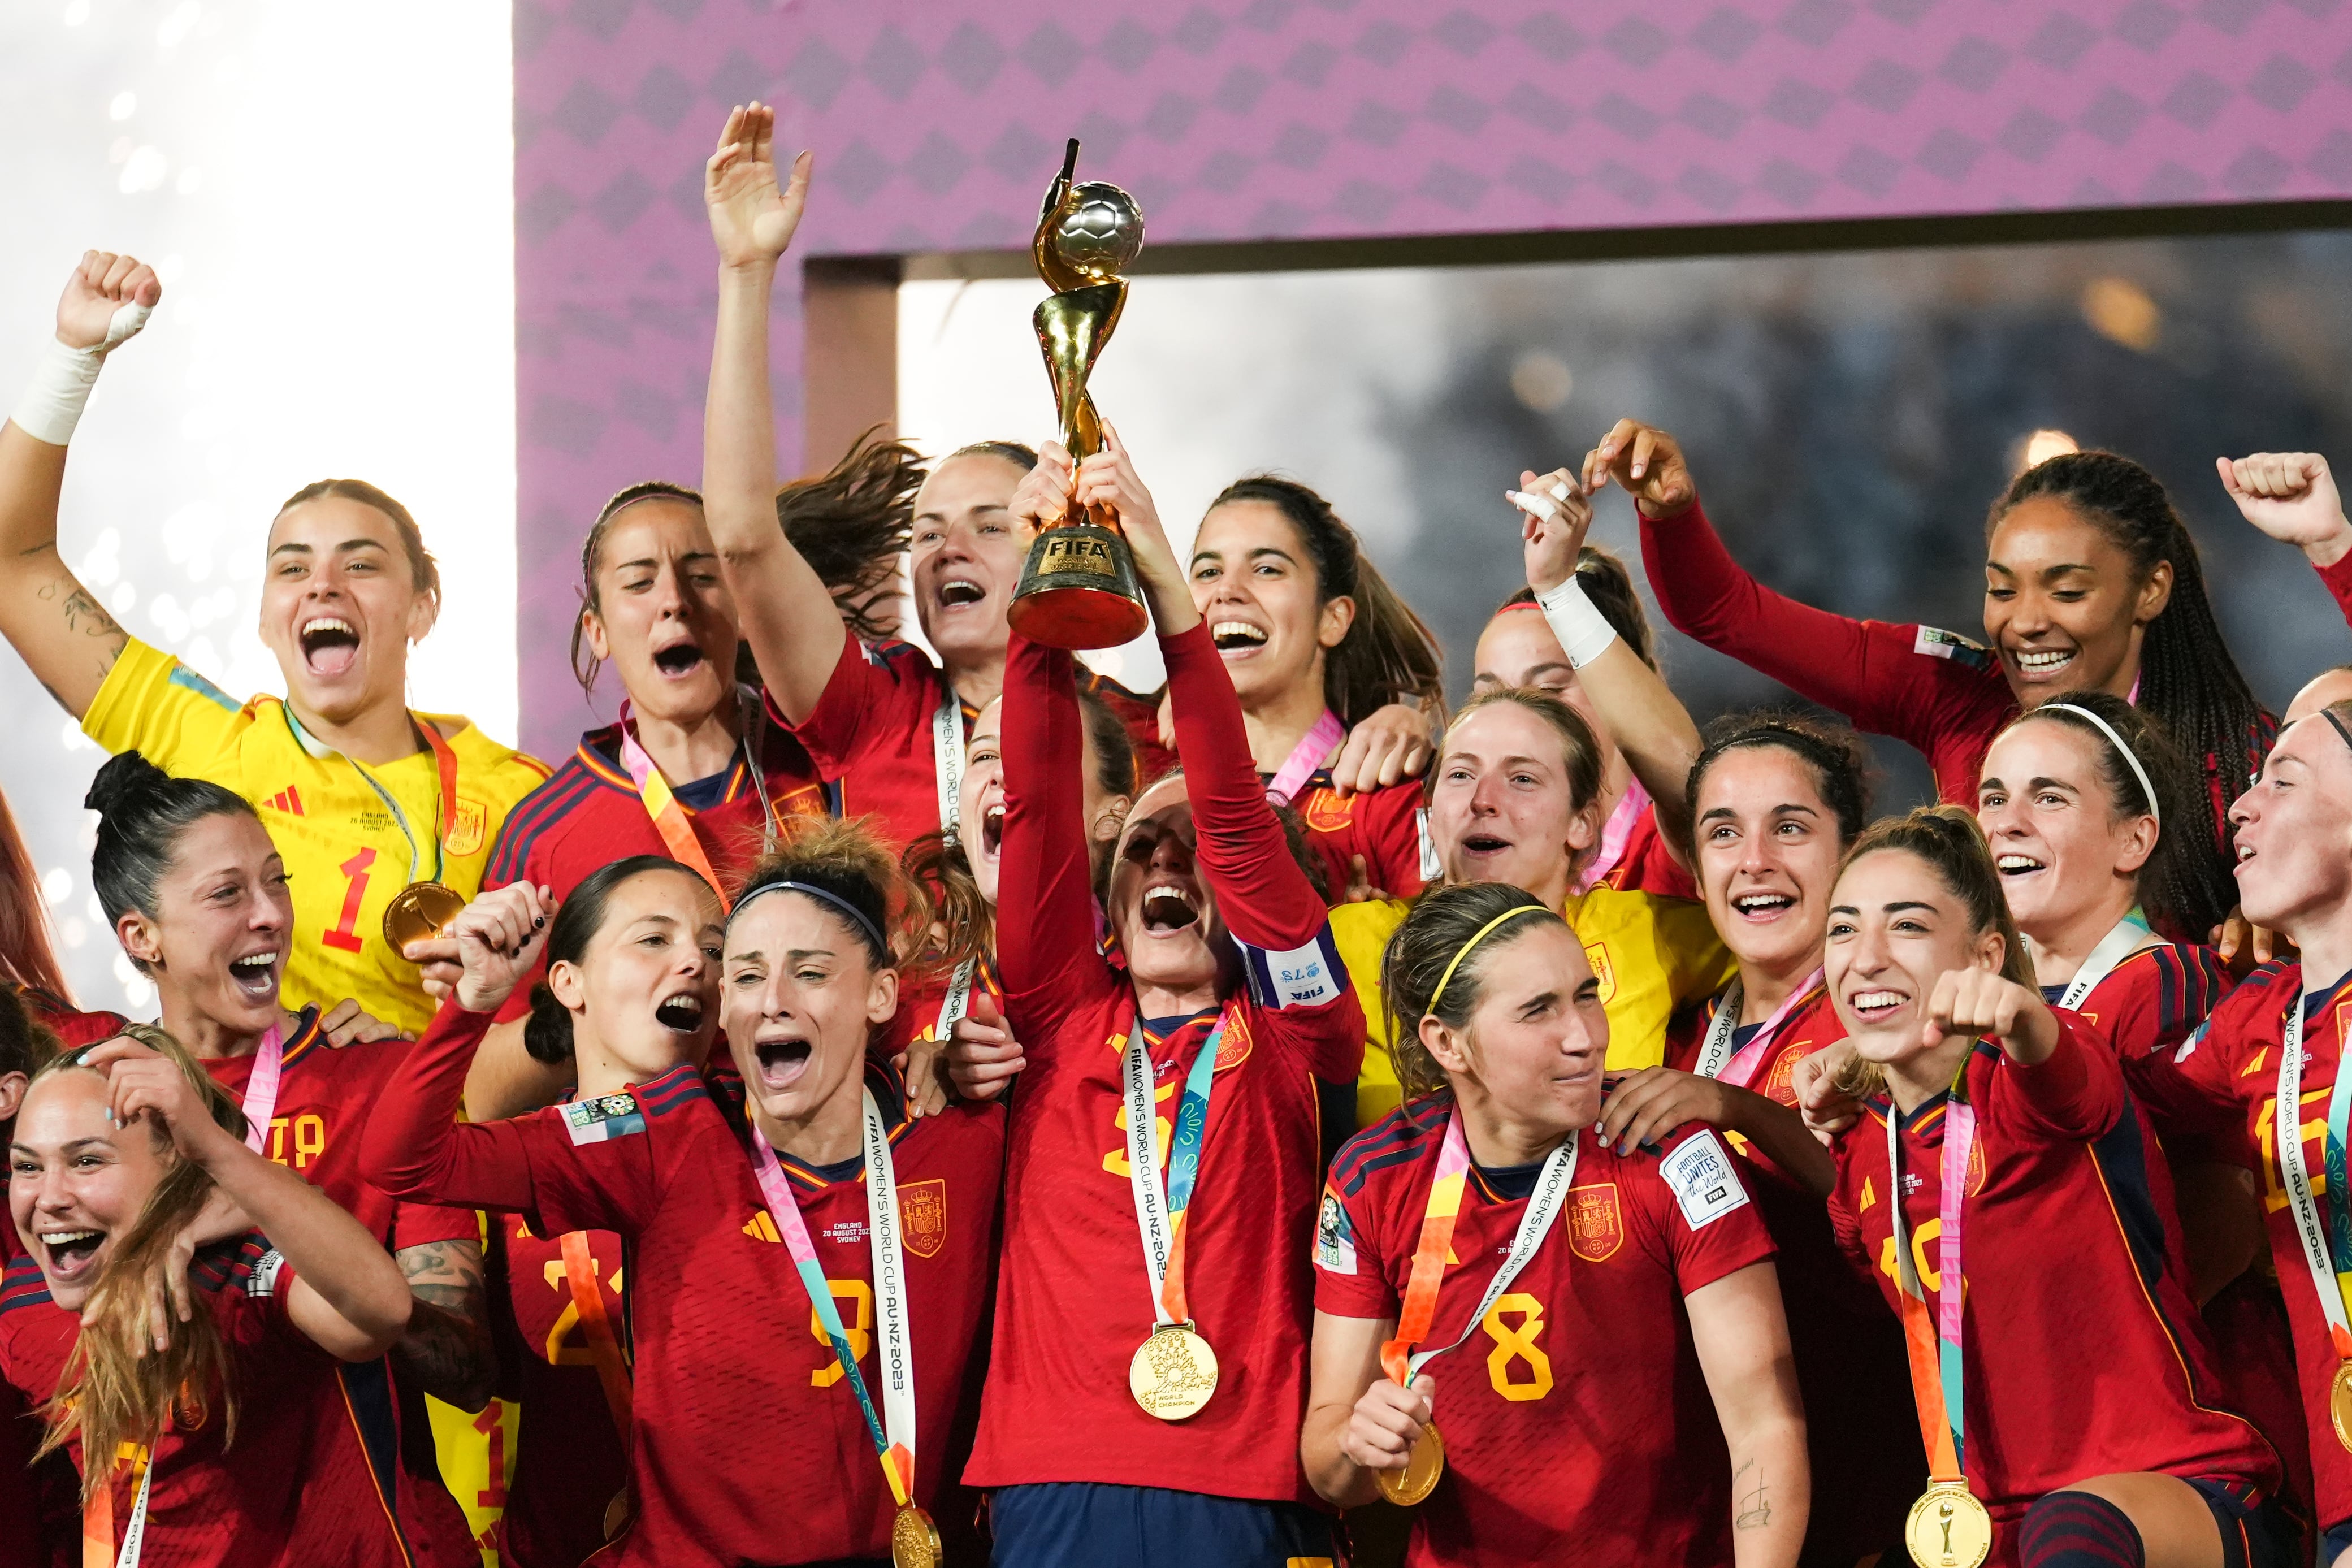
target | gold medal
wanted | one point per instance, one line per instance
(2339, 1404)
(1422, 1467)
(616, 1514)
(418, 911)
(1175, 1373)
(914, 1539)
(1948, 1528)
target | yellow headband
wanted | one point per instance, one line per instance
(1484, 932)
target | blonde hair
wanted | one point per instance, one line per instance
(117, 1387)
(1949, 840)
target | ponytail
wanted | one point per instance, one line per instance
(2187, 678)
(1388, 655)
(851, 524)
(117, 1387)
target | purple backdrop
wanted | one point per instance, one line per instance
(936, 125)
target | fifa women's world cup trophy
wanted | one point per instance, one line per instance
(1077, 587)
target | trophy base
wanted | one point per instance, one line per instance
(1077, 590)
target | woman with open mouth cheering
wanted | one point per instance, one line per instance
(386, 817)
(2091, 583)
(1998, 1146)
(201, 1402)
(1152, 1393)
(810, 1218)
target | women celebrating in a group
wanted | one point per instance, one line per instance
(2091, 583)
(817, 1224)
(367, 799)
(215, 1383)
(199, 896)
(1151, 1395)
(1999, 1147)
(1601, 1318)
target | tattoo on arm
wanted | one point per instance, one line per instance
(1751, 1507)
(447, 1347)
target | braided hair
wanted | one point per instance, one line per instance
(2187, 678)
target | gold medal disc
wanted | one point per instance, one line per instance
(2339, 1404)
(914, 1539)
(1173, 1374)
(616, 1514)
(1948, 1528)
(1419, 1477)
(418, 911)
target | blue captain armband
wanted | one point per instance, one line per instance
(1303, 977)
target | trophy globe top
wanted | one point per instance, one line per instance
(1097, 232)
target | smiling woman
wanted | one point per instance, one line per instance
(368, 798)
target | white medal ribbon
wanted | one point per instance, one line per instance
(892, 1336)
(1543, 1206)
(2114, 948)
(947, 755)
(135, 1534)
(957, 1004)
(1715, 1053)
(260, 1105)
(1151, 1220)
(2310, 1226)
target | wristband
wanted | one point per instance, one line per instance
(62, 381)
(1583, 630)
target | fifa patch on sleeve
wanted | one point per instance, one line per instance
(1703, 1181)
(2189, 1046)
(262, 1282)
(605, 1117)
(1934, 642)
(1304, 977)
(1334, 1238)
(188, 680)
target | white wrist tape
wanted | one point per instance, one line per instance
(62, 381)
(1583, 630)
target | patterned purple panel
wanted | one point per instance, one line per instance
(937, 124)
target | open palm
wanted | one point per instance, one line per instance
(750, 217)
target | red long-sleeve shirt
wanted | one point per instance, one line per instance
(2085, 1352)
(1074, 1300)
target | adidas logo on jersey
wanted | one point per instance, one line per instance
(287, 800)
(762, 1227)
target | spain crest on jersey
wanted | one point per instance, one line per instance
(1595, 1228)
(1597, 954)
(923, 1216)
(1327, 810)
(470, 828)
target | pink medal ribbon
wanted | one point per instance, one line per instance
(1717, 1058)
(1306, 757)
(1614, 835)
(261, 1090)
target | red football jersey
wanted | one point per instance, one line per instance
(2084, 1353)
(1859, 1426)
(1577, 1422)
(1383, 827)
(749, 1444)
(570, 1462)
(2338, 581)
(2225, 1077)
(1644, 865)
(871, 734)
(1076, 1299)
(295, 1486)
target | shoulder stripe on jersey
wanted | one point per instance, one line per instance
(22, 1285)
(660, 1096)
(307, 1037)
(537, 811)
(1397, 1138)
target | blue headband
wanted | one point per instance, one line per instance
(857, 917)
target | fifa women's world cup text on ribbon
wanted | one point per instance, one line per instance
(1717, 1059)
(1174, 1373)
(2325, 1234)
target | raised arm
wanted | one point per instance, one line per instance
(2291, 497)
(786, 613)
(55, 624)
(2073, 1087)
(348, 1296)
(1640, 711)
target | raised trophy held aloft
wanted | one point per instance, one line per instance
(1077, 587)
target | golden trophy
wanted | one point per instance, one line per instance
(1077, 587)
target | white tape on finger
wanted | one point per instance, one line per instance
(63, 378)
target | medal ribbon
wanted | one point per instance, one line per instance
(1160, 1221)
(1614, 835)
(261, 1090)
(2319, 1233)
(445, 763)
(670, 816)
(596, 1327)
(889, 1291)
(2114, 948)
(1306, 757)
(947, 755)
(1437, 1235)
(1937, 1383)
(98, 1525)
(958, 1001)
(1718, 1060)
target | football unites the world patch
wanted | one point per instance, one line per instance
(1699, 1173)
(605, 1117)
